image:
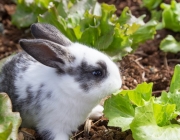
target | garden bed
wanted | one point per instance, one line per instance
(147, 64)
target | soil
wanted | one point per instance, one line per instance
(147, 64)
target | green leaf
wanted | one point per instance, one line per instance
(89, 36)
(151, 4)
(27, 12)
(107, 12)
(9, 121)
(140, 94)
(175, 82)
(171, 16)
(163, 113)
(144, 33)
(144, 126)
(119, 111)
(105, 40)
(125, 16)
(169, 44)
(173, 96)
(148, 117)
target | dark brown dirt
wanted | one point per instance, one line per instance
(145, 65)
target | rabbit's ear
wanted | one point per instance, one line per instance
(47, 52)
(49, 32)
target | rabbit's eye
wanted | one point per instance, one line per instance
(97, 73)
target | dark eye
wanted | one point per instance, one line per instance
(97, 73)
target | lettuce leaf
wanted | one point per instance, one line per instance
(151, 4)
(145, 126)
(120, 111)
(9, 121)
(171, 16)
(173, 96)
(27, 12)
(169, 44)
(147, 117)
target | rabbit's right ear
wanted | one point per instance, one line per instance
(47, 52)
(49, 32)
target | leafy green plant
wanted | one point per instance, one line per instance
(9, 121)
(171, 16)
(147, 117)
(97, 26)
(169, 44)
(151, 4)
(88, 22)
(27, 11)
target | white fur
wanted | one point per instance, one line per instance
(69, 106)
(96, 112)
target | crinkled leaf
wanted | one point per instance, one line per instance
(163, 113)
(169, 44)
(171, 16)
(89, 36)
(119, 108)
(144, 125)
(27, 12)
(156, 15)
(9, 121)
(151, 4)
(125, 16)
(153, 118)
(140, 94)
(144, 33)
(173, 96)
(119, 111)
(104, 41)
(107, 12)
(175, 82)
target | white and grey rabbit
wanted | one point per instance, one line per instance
(55, 83)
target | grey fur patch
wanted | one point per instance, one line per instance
(38, 97)
(30, 96)
(83, 74)
(46, 135)
(48, 95)
(49, 32)
(60, 71)
(9, 73)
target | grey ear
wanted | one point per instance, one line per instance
(49, 32)
(47, 52)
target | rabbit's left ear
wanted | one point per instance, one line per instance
(47, 52)
(49, 32)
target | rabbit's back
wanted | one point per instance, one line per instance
(14, 67)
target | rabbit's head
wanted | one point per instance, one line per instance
(87, 72)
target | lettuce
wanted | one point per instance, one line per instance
(27, 12)
(147, 117)
(151, 4)
(171, 16)
(9, 121)
(169, 44)
(88, 22)
(96, 25)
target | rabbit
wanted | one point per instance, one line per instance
(55, 83)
